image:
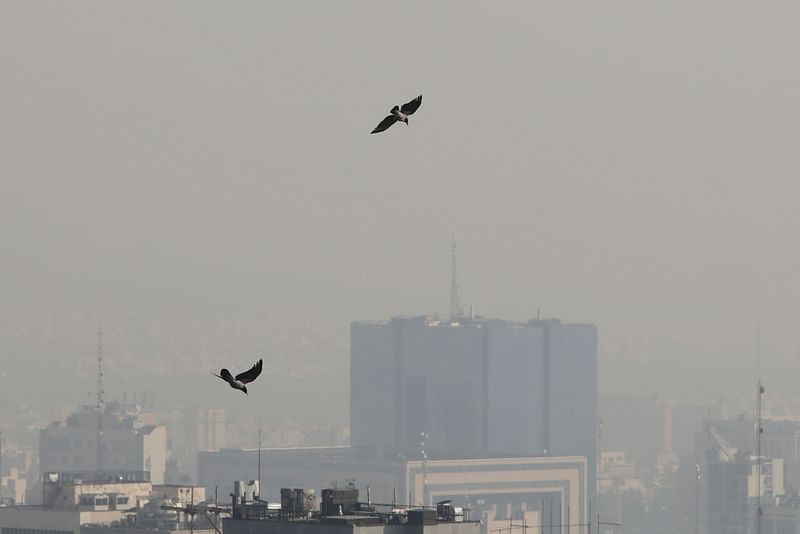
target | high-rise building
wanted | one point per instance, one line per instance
(474, 385)
(125, 444)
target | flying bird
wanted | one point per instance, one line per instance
(399, 114)
(243, 378)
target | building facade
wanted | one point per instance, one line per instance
(480, 386)
(125, 444)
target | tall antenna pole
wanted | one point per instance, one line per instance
(759, 431)
(100, 402)
(758, 350)
(455, 301)
(259, 458)
(759, 428)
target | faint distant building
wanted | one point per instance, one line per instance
(483, 386)
(194, 429)
(125, 443)
(206, 429)
(653, 433)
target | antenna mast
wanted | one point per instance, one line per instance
(759, 431)
(455, 301)
(100, 402)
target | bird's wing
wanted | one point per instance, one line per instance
(410, 107)
(224, 374)
(251, 374)
(385, 123)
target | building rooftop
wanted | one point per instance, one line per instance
(96, 477)
(463, 322)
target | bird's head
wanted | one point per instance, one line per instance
(405, 120)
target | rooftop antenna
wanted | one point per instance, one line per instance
(455, 301)
(100, 402)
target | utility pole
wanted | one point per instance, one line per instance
(697, 500)
(259, 458)
(423, 436)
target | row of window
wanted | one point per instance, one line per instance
(117, 463)
(94, 500)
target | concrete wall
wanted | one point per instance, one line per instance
(35, 517)
(153, 455)
(283, 527)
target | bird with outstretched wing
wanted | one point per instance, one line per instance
(245, 377)
(399, 113)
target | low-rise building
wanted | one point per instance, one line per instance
(553, 488)
(105, 502)
(341, 512)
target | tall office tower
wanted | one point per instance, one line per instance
(475, 386)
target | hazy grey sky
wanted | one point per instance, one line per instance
(200, 178)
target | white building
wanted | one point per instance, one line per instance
(100, 502)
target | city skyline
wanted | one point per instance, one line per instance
(199, 181)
